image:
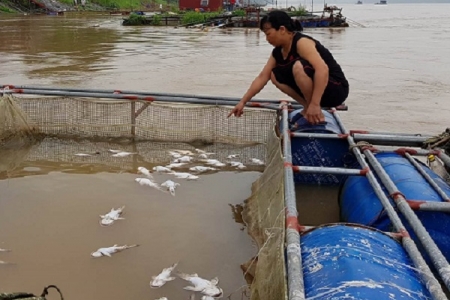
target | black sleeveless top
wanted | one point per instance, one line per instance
(334, 68)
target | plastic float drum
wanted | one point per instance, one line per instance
(347, 261)
(359, 203)
(319, 152)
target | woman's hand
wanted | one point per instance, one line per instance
(314, 114)
(238, 110)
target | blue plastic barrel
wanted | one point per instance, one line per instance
(359, 203)
(319, 152)
(346, 261)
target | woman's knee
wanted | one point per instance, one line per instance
(302, 69)
(273, 78)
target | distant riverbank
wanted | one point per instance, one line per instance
(45, 6)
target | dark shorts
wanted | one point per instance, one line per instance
(334, 95)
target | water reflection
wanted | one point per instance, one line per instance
(59, 46)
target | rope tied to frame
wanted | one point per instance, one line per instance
(45, 291)
(29, 296)
(441, 140)
(360, 145)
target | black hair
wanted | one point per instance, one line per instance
(278, 18)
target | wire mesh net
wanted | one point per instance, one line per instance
(69, 126)
(15, 128)
(264, 214)
(140, 120)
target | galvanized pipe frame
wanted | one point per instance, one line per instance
(437, 258)
(428, 178)
(233, 100)
(391, 140)
(329, 170)
(420, 152)
(296, 288)
(117, 91)
(135, 97)
(424, 270)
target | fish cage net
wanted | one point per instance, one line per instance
(57, 128)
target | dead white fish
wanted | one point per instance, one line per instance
(145, 171)
(148, 182)
(202, 169)
(109, 251)
(257, 161)
(184, 152)
(200, 151)
(161, 169)
(123, 154)
(203, 156)
(162, 298)
(163, 277)
(6, 263)
(112, 216)
(175, 165)
(171, 186)
(231, 156)
(175, 154)
(114, 151)
(184, 175)
(182, 159)
(82, 154)
(4, 250)
(214, 162)
(206, 287)
(237, 164)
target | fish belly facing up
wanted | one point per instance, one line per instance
(145, 171)
(112, 216)
(109, 251)
(206, 287)
(171, 186)
(163, 277)
(148, 182)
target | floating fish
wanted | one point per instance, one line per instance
(162, 298)
(184, 152)
(148, 182)
(171, 186)
(175, 154)
(114, 151)
(200, 151)
(6, 263)
(175, 165)
(112, 216)
(237, 164)
(183, 175)
(231, 156)
(163, 277)
(183, 159)
(203, 156)
(202, 169)
(4, 250)
(144, 171)
(206, 287)
(123, 154)
(109, 251)
(257, 161)
(161, 169)
(214, 162)
(82, 154)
